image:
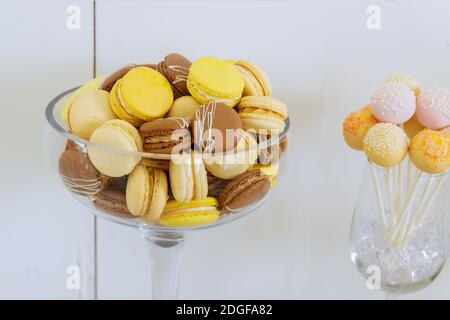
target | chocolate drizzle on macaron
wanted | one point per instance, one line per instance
(78, 173)
(216, 128)
(175, 68)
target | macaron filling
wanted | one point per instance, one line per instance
(213, 97)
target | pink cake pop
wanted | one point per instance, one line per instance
(433, 108)
(393, 103)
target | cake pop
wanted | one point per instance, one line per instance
(356, 126)
(393, 103)
(406, 79)
(430, 151)
(433, 108)
(412, 127)
(385, 144)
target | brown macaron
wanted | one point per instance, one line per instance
(215, 185)
(79, 175)
(244, 190)
(216, 127)
(112, 199)
(175, 68)
(109, 82)
(166, 135)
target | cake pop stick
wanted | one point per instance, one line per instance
(421, 216)
(379, 196)
(408, 175)
(404, 213)
(409, 222)
(388, 182)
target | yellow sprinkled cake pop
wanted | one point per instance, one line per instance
(356, 126)
(412, 127)
(386, 144)
(430, 151)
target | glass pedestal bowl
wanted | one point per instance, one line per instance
(164, 244)
(399, 228)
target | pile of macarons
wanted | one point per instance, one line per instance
(159, 137)
(403, 119)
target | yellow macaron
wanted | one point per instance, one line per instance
(214, 79)
(146, 193)
(189, 214)
(262, 113)
(120, 135)
(119, 110)
(90, 85)
(145, 93)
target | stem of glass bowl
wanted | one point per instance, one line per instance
(165, 250)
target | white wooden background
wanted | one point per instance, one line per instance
(323, 61)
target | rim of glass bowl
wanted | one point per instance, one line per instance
(133, 221)
(56, 123)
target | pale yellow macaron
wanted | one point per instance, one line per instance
(147, 192)
(188, 178)
(262, 113)
(90, 85)
(123, 137)
(386, 144)
(189, 214)
(184, 107)
(234, 162)
(257, 82)
(89, 111)
(430, 151)
(145, 93)
(356, 125)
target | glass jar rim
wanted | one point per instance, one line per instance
(58, 127)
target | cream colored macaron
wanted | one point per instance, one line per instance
(188, 178)
(263, 114)
(256, 81)
(120, 135)
(234, 162)
(147, 192)
(386, 144)
(184, 107)
(90, 85)
(89, 111)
